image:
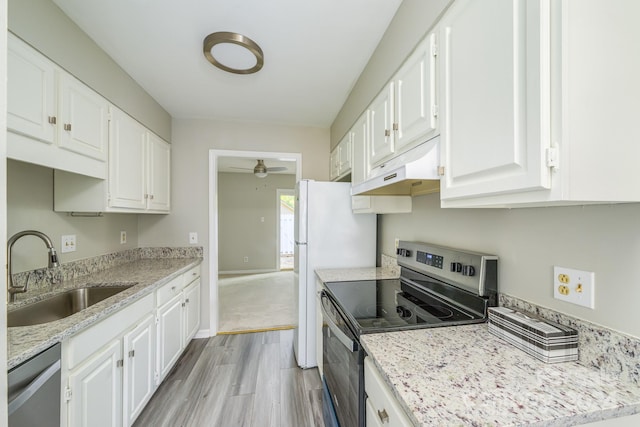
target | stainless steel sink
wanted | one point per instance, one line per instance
(62, 305)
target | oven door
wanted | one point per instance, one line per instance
(342, 359)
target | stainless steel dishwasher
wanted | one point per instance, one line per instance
(34, 390)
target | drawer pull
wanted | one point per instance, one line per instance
(384, 417)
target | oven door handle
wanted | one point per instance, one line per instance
(351, 345)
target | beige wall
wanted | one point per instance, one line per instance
(603, 238)
(192, 140)
(412, 22)
(30, 207)
(248, 221)
(43, 25)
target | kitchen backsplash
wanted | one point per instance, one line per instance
(46, 277)
(613, 353)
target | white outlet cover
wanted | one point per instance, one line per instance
(578, 279)
(193, 237)
(68, 243)
(123, 237)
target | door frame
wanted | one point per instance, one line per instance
(280, 192)
(214, 155)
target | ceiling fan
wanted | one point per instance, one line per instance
(260, 170)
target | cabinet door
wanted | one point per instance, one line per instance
(83, 122)
(126, 162)
(334, 164)
(96, 390)
(344, 149)
(380, 116)
(415, 96)
(158, 174)
(31, 102)
(495, 97)
(170, 333)
(360, 140)
(139, 367)
(191, 310)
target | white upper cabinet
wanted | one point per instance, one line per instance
(415, 96)
(495, 103)
(158, 174)
(139, 179)
(404, 114)
(538, 108)
(381, 121)
(127, 186)
(359, 141)
(53, 119)
(83, 120)
(341, 158)
(31, 92)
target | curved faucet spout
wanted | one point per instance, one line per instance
(52, 259)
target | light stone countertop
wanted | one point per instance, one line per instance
(464, 376)
(149, 274)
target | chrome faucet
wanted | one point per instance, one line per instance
(53, 260)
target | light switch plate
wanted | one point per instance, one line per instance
(193, 237)
(574, 286)
(68, 243)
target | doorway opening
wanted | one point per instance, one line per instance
(252, 279)
(286, 210)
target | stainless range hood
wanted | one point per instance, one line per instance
(412, 173)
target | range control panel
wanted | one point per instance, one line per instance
(472, 271)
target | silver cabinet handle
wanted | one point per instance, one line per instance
(67, 127)
(52, 120)
(384, 417)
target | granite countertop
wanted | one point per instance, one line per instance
(351, 274)
(463, 375)
(147, 274)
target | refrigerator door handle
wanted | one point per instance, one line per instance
(300, 243)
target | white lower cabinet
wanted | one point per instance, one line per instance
(382, 408)
(111, 370)
(95, 389)
(170, 331)
(139, 369)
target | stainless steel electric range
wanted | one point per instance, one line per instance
(438, 287)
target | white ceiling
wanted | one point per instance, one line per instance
(314, 52)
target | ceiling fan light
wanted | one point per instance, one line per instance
(260, 170)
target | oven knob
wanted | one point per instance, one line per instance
(468, 270)
(456, 267)
(403, 252)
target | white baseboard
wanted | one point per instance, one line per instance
(247, 271)
(202, 333)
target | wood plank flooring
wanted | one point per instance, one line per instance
(239, 380)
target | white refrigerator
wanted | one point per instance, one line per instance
(327, 235)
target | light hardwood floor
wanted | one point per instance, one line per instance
(238, 380)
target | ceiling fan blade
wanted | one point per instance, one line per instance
(277, 169)
(244, 169)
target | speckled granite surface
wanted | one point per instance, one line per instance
(138, 267)
(613, 353)
(464, 376)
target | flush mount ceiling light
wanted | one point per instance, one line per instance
(233, 52)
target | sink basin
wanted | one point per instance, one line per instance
(62, 305)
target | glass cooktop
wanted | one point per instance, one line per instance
(387, 305)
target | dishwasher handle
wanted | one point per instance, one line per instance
(26, 393)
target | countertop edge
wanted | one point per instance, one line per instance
(92, 317)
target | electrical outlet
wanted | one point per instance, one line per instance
(397, 242)
(193, 237)
(123, 237)
(68, 243)
(246, 259)
(574, 286)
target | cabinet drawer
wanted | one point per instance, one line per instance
(383, 403)
(87, 342)
(168, 291)
(191, 275)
